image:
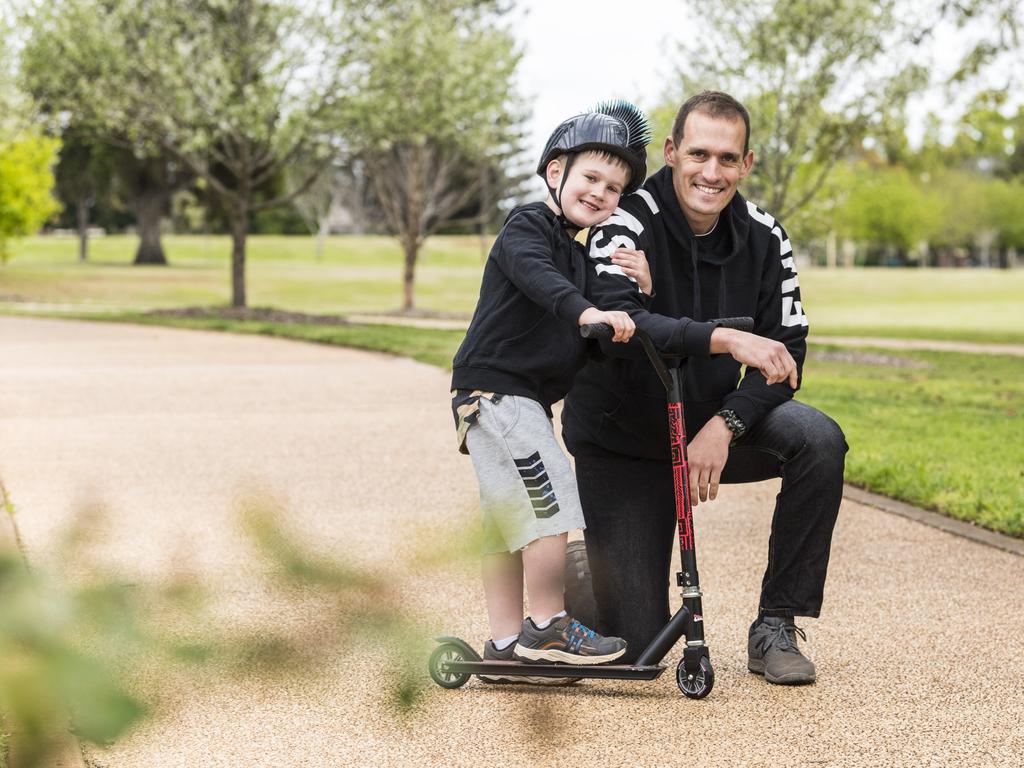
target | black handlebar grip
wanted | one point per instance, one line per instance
(738, 323)
(597, 331)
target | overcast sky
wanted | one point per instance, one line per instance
(577, 53)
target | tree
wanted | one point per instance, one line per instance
(888, 209)
(1006, 207)
(26, 178)
(815, 75)
(83, 179)
(26, 158)
(976, 178)
(315, 204)
(69, 53)
(989, 137)
(233, 90)
(819, 76)
(433, 108)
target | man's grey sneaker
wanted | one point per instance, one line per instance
(567, 641)
(493, 654)
(772, 652)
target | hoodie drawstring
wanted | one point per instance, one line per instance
(722, 312)
(697, 314)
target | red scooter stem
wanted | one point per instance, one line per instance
(681, 482)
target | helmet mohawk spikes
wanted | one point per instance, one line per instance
(638, 127)
(616, 127)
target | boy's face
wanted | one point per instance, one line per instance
(592, 191)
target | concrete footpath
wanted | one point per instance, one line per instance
(919, 651)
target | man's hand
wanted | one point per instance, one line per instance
(634, 264)
(770, 357)
(620, 322)
(707, 454)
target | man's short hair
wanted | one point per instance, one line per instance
(713, 104)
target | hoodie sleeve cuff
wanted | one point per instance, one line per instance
(572, 307)
(695, 338)
(748, 411)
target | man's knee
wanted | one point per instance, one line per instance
(808, 432)
(823, 437)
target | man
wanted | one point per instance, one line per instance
(711, 254)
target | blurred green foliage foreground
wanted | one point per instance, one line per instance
(94, 654)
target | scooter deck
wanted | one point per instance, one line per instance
(519, 669)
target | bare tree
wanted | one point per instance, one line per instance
(434, 103)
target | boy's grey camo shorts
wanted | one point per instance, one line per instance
(527, 486)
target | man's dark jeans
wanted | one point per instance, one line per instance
(629, 508)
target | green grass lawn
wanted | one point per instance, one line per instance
(356, 274)
(948, 435)
(363, 274)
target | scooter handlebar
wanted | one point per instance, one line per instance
(605, 331)
(597, 331)
(738, 323)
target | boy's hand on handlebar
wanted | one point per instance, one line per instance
(770, 357)
(620, 322)
(634, 264)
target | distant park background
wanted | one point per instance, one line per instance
(337, 172)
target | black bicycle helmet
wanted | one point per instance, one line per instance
(617, 127)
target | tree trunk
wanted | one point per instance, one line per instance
(831, 250)
(239, 231)
(849, 253)
(82, 210)
(321, 237)
(411, 248)
(485, 209)
(150, 204)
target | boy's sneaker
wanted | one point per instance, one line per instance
(772, 652)
(493, 654)
(568, 641)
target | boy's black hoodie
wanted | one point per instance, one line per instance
(524, 338)
(618, 404)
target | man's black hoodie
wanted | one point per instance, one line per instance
(618, 404)
(524, 338)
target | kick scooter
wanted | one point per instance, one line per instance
(453, 662)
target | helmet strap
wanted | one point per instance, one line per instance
(556, 194)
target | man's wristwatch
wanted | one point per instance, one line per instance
(733, 422)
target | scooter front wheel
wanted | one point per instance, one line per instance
(438, 666)
(699, 685)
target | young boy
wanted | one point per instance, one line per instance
(519, 356)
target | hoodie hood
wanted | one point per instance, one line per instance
(734, 216)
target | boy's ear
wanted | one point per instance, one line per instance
(553, 172)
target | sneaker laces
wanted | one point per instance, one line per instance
(782, 636)
(578, 629)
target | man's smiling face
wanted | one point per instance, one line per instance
(707, 165)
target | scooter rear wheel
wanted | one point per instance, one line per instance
(440, 673)
(699, 685)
